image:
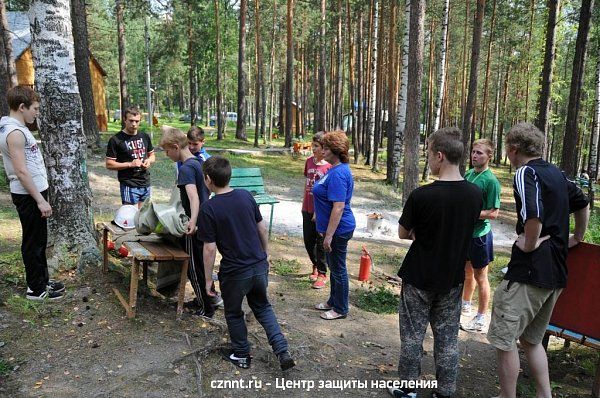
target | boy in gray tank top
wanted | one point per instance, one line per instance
(26, 172)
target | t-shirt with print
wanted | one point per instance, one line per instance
(190, 173)
(442, 215)
(335, 186)
(313, 172)
(230, 220)
(542, 191)
(489, 185)
(123, 147)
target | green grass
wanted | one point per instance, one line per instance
(12, 271)
(282, 266)
(378, 300)
(592, 235)
(5, 368)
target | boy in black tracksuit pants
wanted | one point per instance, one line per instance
(190, 182)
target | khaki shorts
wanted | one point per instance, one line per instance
(520, 311)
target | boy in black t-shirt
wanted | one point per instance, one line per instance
(131, 153)
(232, 223)
(439, 218)
(190, 182)
(537, 271)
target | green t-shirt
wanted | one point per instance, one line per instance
(487, 181)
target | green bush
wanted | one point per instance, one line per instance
(378, 300)
(592, 235)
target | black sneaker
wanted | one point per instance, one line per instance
(398, 393)
(44, 295)
(285, 361)
(241, 362)
(56, 286)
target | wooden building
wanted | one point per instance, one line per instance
(21, 43)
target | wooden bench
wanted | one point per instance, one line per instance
(575, 316)
(144, 253)
(250, 179)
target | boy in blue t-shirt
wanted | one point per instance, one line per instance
(231, 222)
(195, 141)
(190, 182)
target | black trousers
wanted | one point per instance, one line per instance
(313, 242)
(193, 246)
(35, 239)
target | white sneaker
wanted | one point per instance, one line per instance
(465, 310)
(475, 325)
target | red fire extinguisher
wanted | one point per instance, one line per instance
(365, 265)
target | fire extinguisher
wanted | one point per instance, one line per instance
(365, 265)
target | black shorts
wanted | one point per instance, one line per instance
(481, 251)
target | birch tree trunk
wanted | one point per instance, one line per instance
(413, 108)
(122, 59)
(544, 96)
(401, 112)
(467, 123)
(220, 119)
(240, 129)
(569, 154)
(61, 130)
(373, 87)
(7, 47)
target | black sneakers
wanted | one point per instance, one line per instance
(44, 295)
(56, 286)
(241, 362)
(285, 360)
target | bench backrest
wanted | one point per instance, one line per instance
(248, 178)
(578, 305)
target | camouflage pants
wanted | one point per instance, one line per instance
(417, 309)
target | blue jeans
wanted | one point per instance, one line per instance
(255, 290)
(336, 259)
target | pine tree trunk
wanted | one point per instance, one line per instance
(63, 138)
(545, 93)
(220, 121)
(337, 108)
(272, 73)
(359, 87)
(4, 81)
(259, 92)
(289, 75)
(484, 107)
(413, 108)
(463, 69)
(528, 60)
(593, 159)
(502, 115)
(402, 101)
(240, 129)
(429, 123)
(569, 159)
(351, 76)
(496, 106)
(6, 46)
(122, 59)
(467, 123)
(376, 61)
(321, 100)
(441, 80)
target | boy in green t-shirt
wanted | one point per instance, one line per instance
(481, 252)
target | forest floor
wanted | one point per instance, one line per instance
(84, 346)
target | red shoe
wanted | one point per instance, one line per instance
(320, 282)
(315, 274)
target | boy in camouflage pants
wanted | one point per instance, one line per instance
(439, 218)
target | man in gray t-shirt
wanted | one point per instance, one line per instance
(26, 172)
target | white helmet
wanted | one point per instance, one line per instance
(125, 217)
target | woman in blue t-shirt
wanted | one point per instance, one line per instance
(332, 195)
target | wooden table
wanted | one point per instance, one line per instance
(143, 253)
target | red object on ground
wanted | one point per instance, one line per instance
(578, 306)
(365, 265)
(110, 245)
(123, 251)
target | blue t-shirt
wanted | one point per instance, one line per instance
(191, 173)
(335, 186)
(230, 220)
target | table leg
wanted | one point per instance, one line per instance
(596, 386)
(133, 287)
(271, 220)
(104, 250)
(181, 293)
(145, 274)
